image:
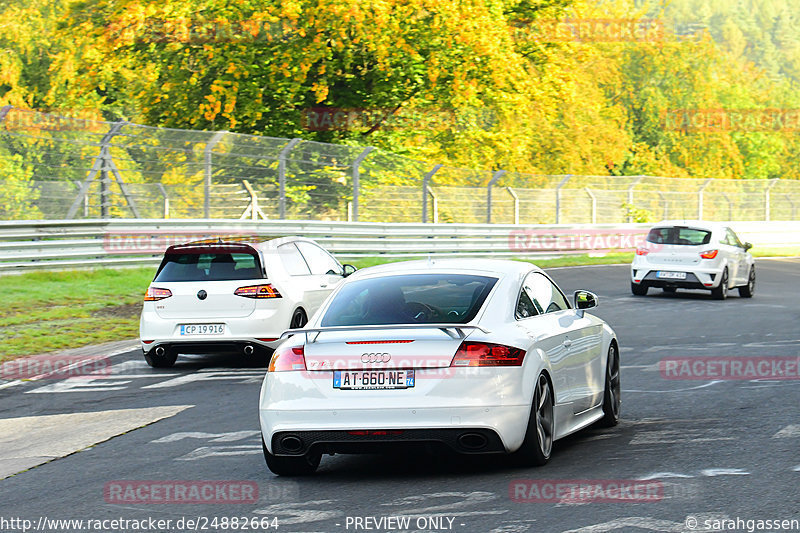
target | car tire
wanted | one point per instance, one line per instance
(720, 292)
(612, 391)
(299, 319)
(670, 290)
(538, 443)
(639, 290)
(161, 361)
(748, 290)
(301, 465)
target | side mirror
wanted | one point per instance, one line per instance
(584, 300)
(747, 246)
(348, 269)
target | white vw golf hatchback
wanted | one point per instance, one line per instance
(693, 255)
(231, 296)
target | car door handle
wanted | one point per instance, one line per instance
(567, 343)
(323, 285)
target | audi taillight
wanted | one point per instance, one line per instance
(709, 254)
(289, 358)
(642, 251)
(154, 294)
(487, 354)
(258, 291)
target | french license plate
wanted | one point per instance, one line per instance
(373, 379)
(202, 329)
(671, 275)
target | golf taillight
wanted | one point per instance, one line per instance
(288, 358)
(258, 291)
(642, 251)
(154, 294)
(709, 254)
(487, 354)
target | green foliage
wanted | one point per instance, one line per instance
(16, 195)
(636, 214)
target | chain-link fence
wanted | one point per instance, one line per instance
(56, 167)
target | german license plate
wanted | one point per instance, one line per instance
(671, 275)
(202, 329)
(373, 379)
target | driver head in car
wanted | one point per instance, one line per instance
(386, 305)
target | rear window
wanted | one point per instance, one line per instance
(679, 235)
(409, 299)
(209, 267)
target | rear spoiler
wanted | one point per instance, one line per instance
(446, 328)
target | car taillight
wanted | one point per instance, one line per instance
(642, 251)
(258, 291)
(153, 294)
(709, 254)
(487, 354)
(289, 358)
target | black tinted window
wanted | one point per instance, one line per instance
(679, 235)
(209, 267)
(409, 299)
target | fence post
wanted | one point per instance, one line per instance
(700, 198)
(282, 176)
(594, 204)
(356, 176)
(163, 192)
(100, 166)
(496, 176)
(435, 206)
(730, 206)
(770, 185)
(630, 195)
(516, 204)
(665, 216)
(207, 170)
(425, 180)
(558, 197)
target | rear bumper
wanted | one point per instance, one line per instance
(462, 440)
(239, 332)
(696, 278)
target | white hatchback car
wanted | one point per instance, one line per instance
(693, 255)
(233, 296)
(479, 356)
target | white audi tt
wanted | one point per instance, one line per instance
(693, 255)
(223, 296)
(479, 356)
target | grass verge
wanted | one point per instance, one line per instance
(50, 311)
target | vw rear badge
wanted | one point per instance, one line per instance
(201, 294)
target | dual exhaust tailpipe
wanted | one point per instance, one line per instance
(160, 351)
(249, 349)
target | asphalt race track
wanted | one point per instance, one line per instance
(721, 449)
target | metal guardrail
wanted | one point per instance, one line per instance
(123, 242)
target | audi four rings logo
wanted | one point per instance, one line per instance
(374, 357)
